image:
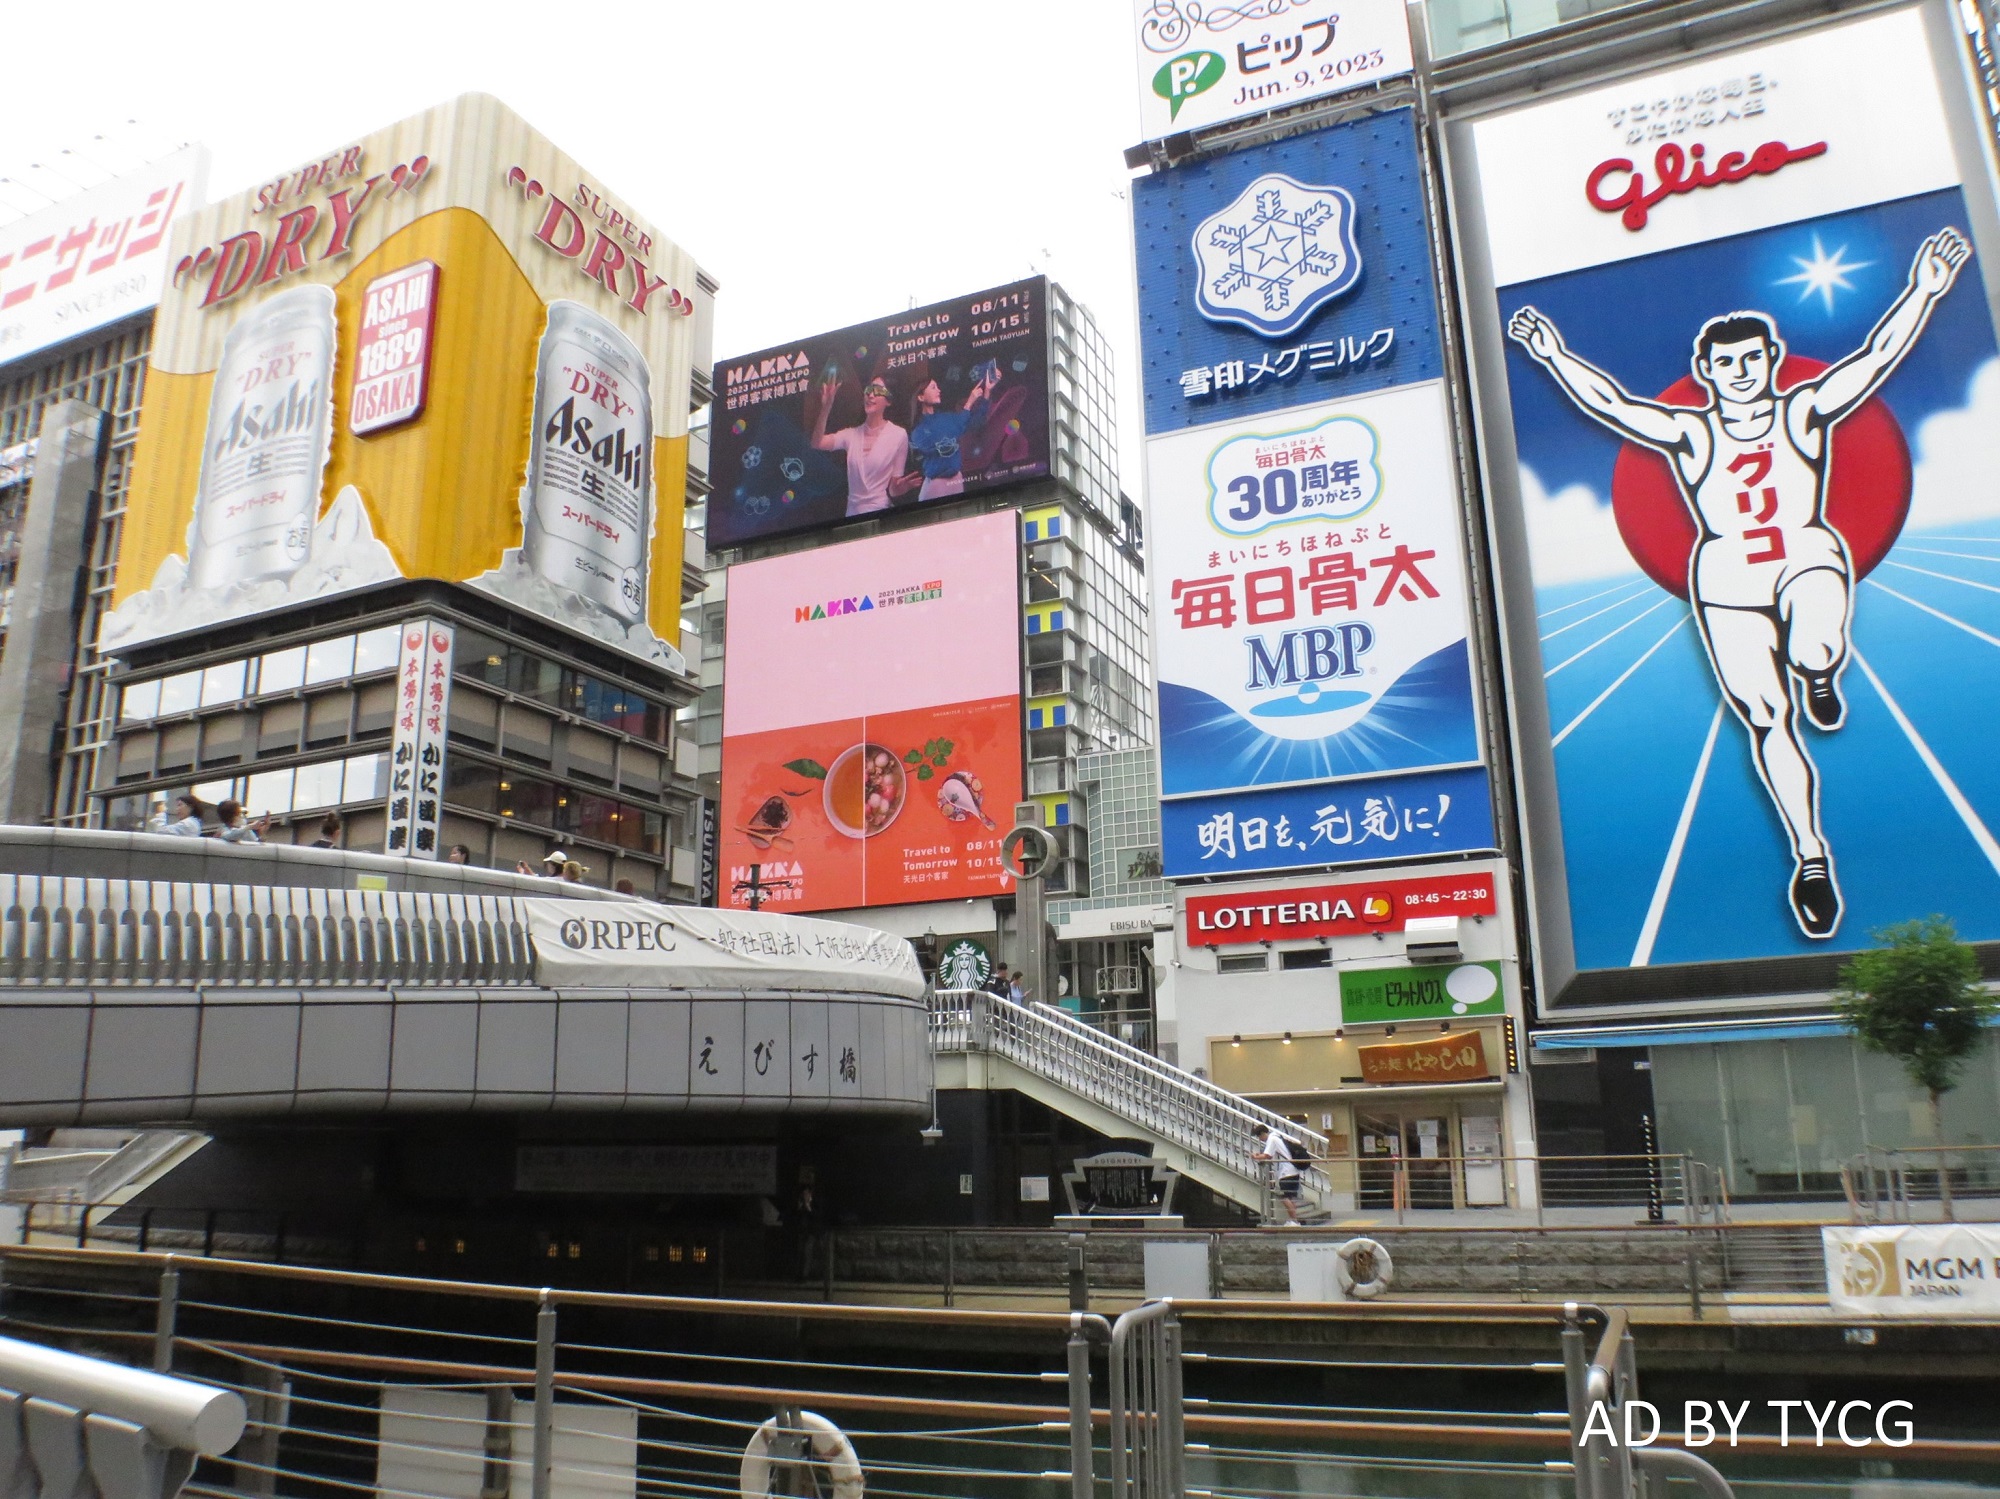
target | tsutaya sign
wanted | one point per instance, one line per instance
(1334, 910)
(1202, 64)
(1914, 1270)
(441, 351)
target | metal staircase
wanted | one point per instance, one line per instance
(980, 1040)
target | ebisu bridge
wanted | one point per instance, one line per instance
(342, 1055)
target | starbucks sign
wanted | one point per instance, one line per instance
(964, 964)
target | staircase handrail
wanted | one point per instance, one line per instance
(1157, 1096)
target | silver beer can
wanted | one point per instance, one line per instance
(587, 514)
(270, 426)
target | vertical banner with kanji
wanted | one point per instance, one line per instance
(416, 750)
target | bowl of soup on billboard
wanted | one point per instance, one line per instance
(865, 790)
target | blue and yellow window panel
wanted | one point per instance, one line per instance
(1048, 712)
(1042, 523)
(1057, 810)
(1042, 619)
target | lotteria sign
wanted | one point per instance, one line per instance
(1334, 910)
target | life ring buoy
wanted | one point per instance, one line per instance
(828, 1444)
(1380, 1270)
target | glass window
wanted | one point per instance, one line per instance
(319, 785)
(282, 671)
(479, 657)
(270, 791)
(140, 700)
(532, 677)
(469, 784)
(329, 660)
(365, 778)
(222, 684)
(1242, 962)
(526, 799)
(180, 694)
(376, 650)
(1305, 957)
(212, 792)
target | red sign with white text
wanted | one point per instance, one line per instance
(1343, 910)
(392, 352)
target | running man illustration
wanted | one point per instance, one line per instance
(1770, 581)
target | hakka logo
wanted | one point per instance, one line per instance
(1682, 172)
(863, 603)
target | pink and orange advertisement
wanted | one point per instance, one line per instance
(871, 721)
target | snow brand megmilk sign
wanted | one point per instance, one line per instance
(441, 351)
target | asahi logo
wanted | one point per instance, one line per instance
(590, 935)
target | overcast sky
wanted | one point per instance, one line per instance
(826, 162)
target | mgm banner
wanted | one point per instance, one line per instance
(1914, 1270)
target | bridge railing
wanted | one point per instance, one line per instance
(1171, 1105)
(62, 932)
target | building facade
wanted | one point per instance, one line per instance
(1681, 860)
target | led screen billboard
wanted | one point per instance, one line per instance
(1747, 349)
(871, 721)
(442, 351)
(905, 411)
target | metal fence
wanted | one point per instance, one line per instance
(1885, 1185)
(1160, 1100)
(424, 1389)
(77, 933)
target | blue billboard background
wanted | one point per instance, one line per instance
(1665, 823)
(1309, 827)
(1375, 322)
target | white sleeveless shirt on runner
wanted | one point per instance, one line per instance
(1759, 509)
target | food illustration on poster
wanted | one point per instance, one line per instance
(1755, 392)
(872, 730)
(938, 402)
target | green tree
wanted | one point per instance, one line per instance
(1918, 998)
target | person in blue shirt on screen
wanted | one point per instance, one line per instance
(936, 436)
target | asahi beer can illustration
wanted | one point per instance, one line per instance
(587, 516)
(270, 422)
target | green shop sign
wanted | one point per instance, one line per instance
(964, 964)
(1374, 995)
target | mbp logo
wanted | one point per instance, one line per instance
(1185, 76)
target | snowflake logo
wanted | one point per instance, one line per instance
(1276, 255)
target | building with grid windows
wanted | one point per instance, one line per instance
(1084, 672)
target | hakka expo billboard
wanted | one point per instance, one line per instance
(1748, 350)
(902, 412)
(441, 351)
(1310, 589)
(871, 723)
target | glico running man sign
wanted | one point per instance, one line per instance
(1748, 352)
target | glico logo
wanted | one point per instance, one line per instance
(581, 935)
(1681, 171)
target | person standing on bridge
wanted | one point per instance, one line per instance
(1284, 1167)
(185, 823)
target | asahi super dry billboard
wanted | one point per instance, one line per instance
(441, 351)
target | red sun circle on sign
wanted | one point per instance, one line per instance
(1867, 494)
